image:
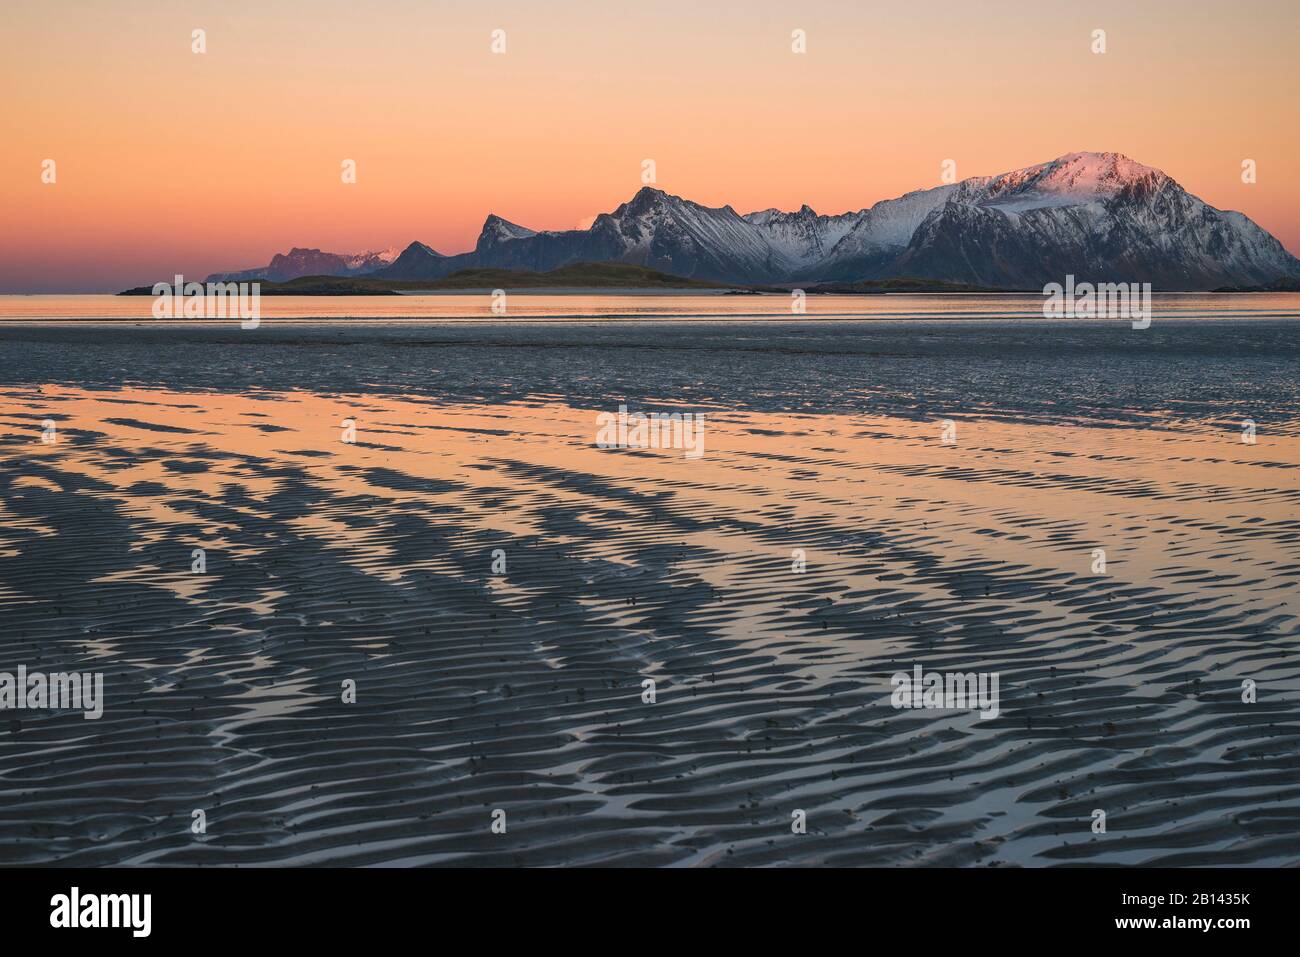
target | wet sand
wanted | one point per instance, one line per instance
(372, 562)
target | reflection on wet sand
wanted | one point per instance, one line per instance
(328, 561)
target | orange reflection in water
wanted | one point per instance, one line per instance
(1192, 511)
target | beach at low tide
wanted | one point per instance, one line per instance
(873, 496)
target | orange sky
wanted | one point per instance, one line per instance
(170, 161)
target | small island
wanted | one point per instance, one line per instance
(612, 277)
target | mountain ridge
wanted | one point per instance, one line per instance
(303, 261)
(1099, 216)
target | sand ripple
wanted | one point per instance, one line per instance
(372, 562)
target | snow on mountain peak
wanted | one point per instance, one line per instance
(1097, 214)
(763, 216)
(418, 248)
(309, 261)
(801, 237)
(1069, 180)
(368, 259)
(497, 230)
(652, 194)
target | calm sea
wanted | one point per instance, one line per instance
(651, 306)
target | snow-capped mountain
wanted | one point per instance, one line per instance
(1097, 216)
(879, 235)
(418, 261)
(677, 236)
(497, 230)
(310, 262)
(653, 229)
(804, 239)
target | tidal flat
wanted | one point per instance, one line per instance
(456, 610)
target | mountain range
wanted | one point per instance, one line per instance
(310, 262)
(1100, 217)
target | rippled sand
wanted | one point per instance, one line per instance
(372, 562)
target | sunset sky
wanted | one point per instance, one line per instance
(170, 161)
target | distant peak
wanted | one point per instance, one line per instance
(1115, 166)
(418, 247)
(494, 221)
(1074, 178)
(1093, 156)
(497, 230)
(647, 198)
(772, 214)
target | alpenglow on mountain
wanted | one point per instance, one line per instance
(310, 262)
(1097, 216)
